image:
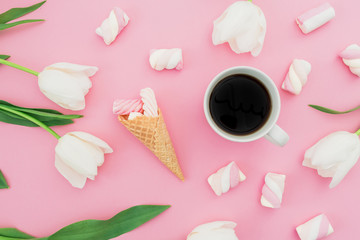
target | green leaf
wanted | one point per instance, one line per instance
(18, 12)
(331, 111)
(4, 26)
(48, 116)
(3, 183)
(4, 57)
(121, 223)
(13, 233)
(11, 118)
(41, 111)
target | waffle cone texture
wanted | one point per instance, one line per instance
(152, 132)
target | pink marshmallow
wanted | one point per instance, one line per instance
(316, 228)
(315, 18)
(125, 107)
(273, 189)
(226, 178)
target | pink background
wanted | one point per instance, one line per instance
(40, 201)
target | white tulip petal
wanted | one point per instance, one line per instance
(73, 68)
(219, 234)
(66, 84)
(62, 89)
(79, 155)
(308, 155)
(93, 140)
(334, 148)
(328, 172)
(344, 168)
(334, 155)
(83, 81)
(243, 26)
(214, 225)
(77, 180)
(223, 230)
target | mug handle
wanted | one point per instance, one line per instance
(277, 136)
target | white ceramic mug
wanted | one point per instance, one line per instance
(269, 130)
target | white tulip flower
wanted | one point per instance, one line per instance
(243, 26)
(78, 155)
(219, 230)
(66, 84)
(334, 155)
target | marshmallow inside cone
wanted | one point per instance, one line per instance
(149, 127)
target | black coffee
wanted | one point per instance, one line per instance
(240, 104)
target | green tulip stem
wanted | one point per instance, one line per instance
(250, 0)
(358, 132)
(30, 118)
(14, 65)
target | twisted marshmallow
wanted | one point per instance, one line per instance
(112, 25)
(315, 18)
(150, 105)
(351, 58)
(297, 76)
(226, 178)
(166, 59)
(125, 107)
(273, 190)
(316, 228)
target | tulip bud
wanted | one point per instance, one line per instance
(66, 84)
(334, 155)
(78, 155)
(243, 26)
(220, 230)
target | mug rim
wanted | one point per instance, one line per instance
(274, 98)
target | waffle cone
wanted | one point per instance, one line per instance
(152, 132)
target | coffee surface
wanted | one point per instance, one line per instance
(240, 104)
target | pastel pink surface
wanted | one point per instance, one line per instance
(40, 201)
